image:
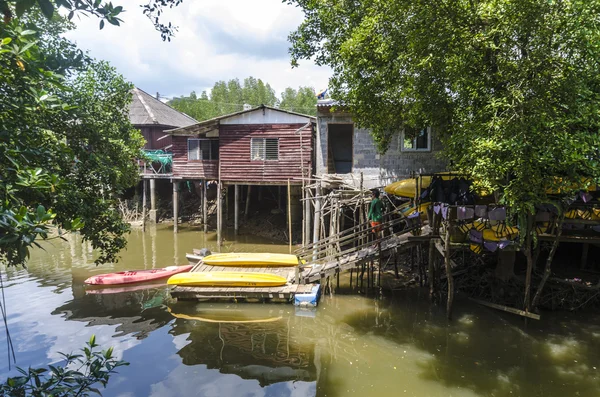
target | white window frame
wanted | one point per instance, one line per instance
(253, 142)
(199, 149)
(405, 149)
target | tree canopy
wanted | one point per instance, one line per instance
(513, 85)
(67, 148)
(229, 97)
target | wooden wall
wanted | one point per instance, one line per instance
(234, 153)
(151, 135)
(195, 169)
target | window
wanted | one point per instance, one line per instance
(203, 149)
(264, 149)
(422, 142)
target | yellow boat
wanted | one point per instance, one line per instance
(227, 279)
(251, 259)
(407, 187)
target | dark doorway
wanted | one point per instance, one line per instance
(339, 144)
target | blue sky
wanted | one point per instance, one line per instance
(217, 40)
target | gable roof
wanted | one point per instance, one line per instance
(147, 110)
(206, 126)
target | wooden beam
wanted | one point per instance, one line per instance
(507, 309)
(143, 205)
(289, 211)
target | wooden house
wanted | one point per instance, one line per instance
(258, 146)
(152, 117)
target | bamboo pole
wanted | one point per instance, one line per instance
(289, 207)
(317, 219)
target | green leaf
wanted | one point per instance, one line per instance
(22, 6)
(47, 7)
(102, 24)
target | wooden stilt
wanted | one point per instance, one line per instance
(175, 205)
(236, 209)
(205, 206)
(449, 275)
(143, 205)
(289, 211)
(226, 203)
(247, 202)
(153, 194)
(351, 276)
(317, 219)
(219, 216)
(431, 269)
(528, 255)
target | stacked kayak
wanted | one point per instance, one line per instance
(227, 279)
(136, 276)
(251, 259)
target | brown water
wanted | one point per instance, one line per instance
(349, 345)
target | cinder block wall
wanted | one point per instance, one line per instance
(378, 170)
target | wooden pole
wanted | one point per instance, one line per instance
(289, 211)
(317, 219)
(153, 194)
(236, 209)
(528, 255)
(247, 202)
(226, 203)
(143, 205)
(431, 269)
(448, 273)
(204, 206)
(175, 205)
(219, 215)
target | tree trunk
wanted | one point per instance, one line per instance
(528, 255)
(547, 269)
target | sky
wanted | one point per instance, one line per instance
(217, 40)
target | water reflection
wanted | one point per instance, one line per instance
(351, 345)
(254, 343)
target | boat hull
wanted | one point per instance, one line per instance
(227, 279)
(136, 276)
(251, 259)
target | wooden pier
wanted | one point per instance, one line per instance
(284, 293)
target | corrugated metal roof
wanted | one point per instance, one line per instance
(326, 102)
(147, 110)
(207, 125)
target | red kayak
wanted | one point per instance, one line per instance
(136, 276)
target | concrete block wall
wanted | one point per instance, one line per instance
(378, 170)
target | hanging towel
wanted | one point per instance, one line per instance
(481, 211)
(444, 211)
(475, 236)
(465, 213)
(504, 243)
(490, 245)
(437, 208)
(497, 214)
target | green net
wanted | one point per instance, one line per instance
(160, 160)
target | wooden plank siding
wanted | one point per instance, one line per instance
(151, 135)
(234, 153)
(191, 169)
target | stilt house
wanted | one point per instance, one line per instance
(254, 147)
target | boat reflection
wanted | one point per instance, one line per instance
(254, 341)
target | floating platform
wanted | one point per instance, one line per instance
(285, 293)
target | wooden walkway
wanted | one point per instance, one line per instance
(316, 271)
(283, 293)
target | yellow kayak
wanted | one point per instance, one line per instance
(227, 279)
(407, 187)
(251, 259)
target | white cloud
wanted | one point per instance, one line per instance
(217, 40)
